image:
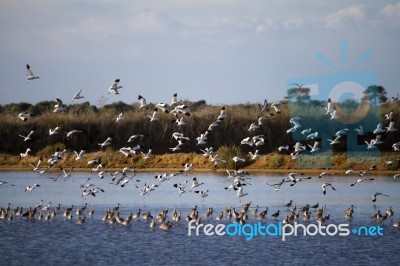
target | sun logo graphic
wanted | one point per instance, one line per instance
(334, 112)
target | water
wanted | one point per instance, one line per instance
(63, 242)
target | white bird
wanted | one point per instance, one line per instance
(264, 107)
(180, 109)
(27, 137)
(180, 122)
(378, 194)
(335, 141)
(247, 141)
(296, 121)
(105, 143)
(74, 131)
(306, 132)
(391, 128)
(299, 147)
(31, 187)
(77, 96)
(396, 146)
(360, 130)
(26, 154)
(334, 114)
(115, 87)
(360, 180)
(120, 118)
(329, 107)
(222, 114)
(237, 159)
(133, 137)
(253, 127)
(324, 185)
(195, 183)
(379, 129)
(276, 106)
(313, 135)
(24, 116)
(315, 147)
(283, 148)
(154, 116)
(202, 193)
(54, 131)
(389, 116)
(202, 139)
(255, 155)
(181, 187)
(30, 75)
(60, 107)
(37, 166)
(147, 155)
(239, 191)
(371, 144)
(187, 167)
(174, 100)
(66, 174)
(342, 132)
(79, 155)
(143, 103)
(396, 176)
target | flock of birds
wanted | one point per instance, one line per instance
(239, 177)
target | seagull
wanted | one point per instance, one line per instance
(329, 107)
(79, 155)
(324, 185)
(292, 178)
(202, 139)
(187, 167)
(334, 113)
(306, 132)
(154, 116)
(195, 183)
(391, 128)
(239, 191)
(396, 146)
(335, 141)
(181, 187)
(115, 87)
(174, 100)
(253, 127)
(27, 137)
(147, 155)
(143, 102)
(30, 75)
(54, 131)
(180, 122)
(377, 194)
(133, 137)
(70, 133)
(105, 143)
(37, 166)
(222, 114)
(371, 144)
(32, 187)
(5, 183)
(202, 193)
(360, 130)
(60, 107)
(264, 107)
(26, 154)
(66, 174)
(77, 96)
(360, 180)
(315, 147)
(276, 106)
(283, 148)
(389, 116)
(325, 173)
(278, 185)
(379, 129)
(296, 124)
(342, 132)
(120, 118)
(24, 116)
(255, 155)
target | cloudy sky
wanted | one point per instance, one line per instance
(222, 51)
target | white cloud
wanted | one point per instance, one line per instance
(342, 19)
(391, 10)
(148, 22)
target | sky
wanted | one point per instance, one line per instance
(220, 51)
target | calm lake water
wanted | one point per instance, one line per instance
(63, 242)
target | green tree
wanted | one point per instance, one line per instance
(375, 93)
